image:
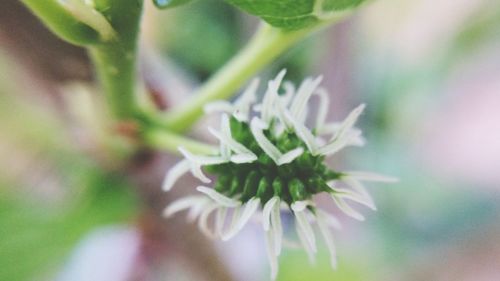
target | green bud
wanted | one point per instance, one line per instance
(297, 190)
(250, 186)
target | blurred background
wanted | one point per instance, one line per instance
(72, 207)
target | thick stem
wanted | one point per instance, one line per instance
(115, 61)
(164, 140)
(267, 44)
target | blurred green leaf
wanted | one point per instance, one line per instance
(163, 4)
(293, 14)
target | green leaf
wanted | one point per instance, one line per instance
(294, 14)
(164, 4)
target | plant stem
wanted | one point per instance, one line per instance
(267, 44)
(170, 141)
(115, 61)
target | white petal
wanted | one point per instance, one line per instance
(349, 121)
(289, 94)
(305, 243)
(327, 236)
(219, 220)
(196, 210)
(344, 207)
(203, 221)
(218, 197)
(218, 106)
(276, 227)
(243, 103)
(266, 145)
(290, 156)
(362, 195)
(249, 209)
(304, 92)
(305, 135)
(270, 96)
(271, 254)
(202, 159)
(243, 158)
(332, 147)
(198, 173)
(323, 107)
(266, 212)
(299, 206)
(303, 223)
(369, 176)
(329, 219)
(182, 204)
(229, 141)
(177, 171)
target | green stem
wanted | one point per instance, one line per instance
(115, 61)
(166, 140)
(267, 44)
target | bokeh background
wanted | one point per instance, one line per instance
(72, 207)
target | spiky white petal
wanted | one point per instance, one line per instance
(183, 204)
(203, 220)
(201, 159)
(270, 96)
(303, 224)
(346, 209)
(227, 139)
(243, 103)
(276, 228)
(305, 242)
(266, 212)
(220, 218)
(327, 236)
(196, 210)
(304, 92)
(240, 220)
(218, 197)
(329, 219)
(305, 135)
(349, 121)
(323, 106)
(177, 171)
(218, 106)
(271, 254)
(369, 176)
(290, 156)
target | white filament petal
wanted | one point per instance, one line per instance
(196, 210)
(202, 159)
(327, 236)
(361, 192)
(182, 204)
(198, 173)
(349, 121)
(270, 96)
(271, 254)
(249, 209)
(243, 158)
(266, 145)
(332, 147)
(346, 209)
(177, 171)
(323, 107)
(329, 219)
(304, 92)
(305, 243)
(303, 223)
(266, 212)
(218, 106)
(220, 218)
(289, 93)
(243, 103)
(218, 197)
(299, 206)
(305, 135)
(290, 156)
(369, 176)
(203, 221)
(276, 227)
(353, 196)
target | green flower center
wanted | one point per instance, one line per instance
(296, 181)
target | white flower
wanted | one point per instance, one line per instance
(270, 160)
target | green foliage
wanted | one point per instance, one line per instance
(163, 4)
(294, 14)
(34, 238)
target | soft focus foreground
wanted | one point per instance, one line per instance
(71, 210)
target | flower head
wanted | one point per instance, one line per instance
(268, 161)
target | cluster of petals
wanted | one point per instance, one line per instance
(277, 113)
